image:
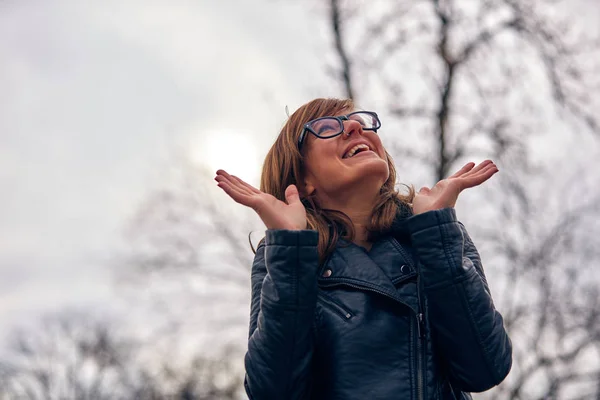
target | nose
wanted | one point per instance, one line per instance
(350, 127)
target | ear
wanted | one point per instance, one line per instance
(309, 187)
(310, 190)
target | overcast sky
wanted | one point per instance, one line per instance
(93, 98)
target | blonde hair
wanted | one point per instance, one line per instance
(284, 166)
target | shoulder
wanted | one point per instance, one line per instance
(258, 264)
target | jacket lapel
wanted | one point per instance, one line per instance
(388, 263)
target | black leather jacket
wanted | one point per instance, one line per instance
(413, 318)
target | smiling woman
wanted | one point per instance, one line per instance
(228, 149)
(356, 282)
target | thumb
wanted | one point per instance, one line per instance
(291, 195)
(424, 190)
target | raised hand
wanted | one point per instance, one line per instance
(445, 193)
(275, 213)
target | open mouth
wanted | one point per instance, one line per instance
(359, 148)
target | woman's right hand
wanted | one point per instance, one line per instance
(275, 213)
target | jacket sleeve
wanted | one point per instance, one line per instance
(284, 297)
(466, 327)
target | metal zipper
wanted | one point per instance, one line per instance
(340, 282)
(335, 307)
(420, 339)
(419, 315)
(420, 332)
(420, 336)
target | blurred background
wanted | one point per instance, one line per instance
(125, 272)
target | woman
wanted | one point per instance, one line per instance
(359, 292)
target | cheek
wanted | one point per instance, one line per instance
(325, 166)
(321, 150)
(377, 142)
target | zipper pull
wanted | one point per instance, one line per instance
(420, 325)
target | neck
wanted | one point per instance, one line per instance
(357, 206)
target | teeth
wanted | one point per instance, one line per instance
(353, 150)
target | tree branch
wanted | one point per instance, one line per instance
(336, 25)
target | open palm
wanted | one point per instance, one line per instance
(445, 193)
(275, 213)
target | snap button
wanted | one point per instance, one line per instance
(327, 273)
(405, 269)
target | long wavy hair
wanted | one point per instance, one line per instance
(284, 166)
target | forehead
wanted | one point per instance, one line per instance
(344, 112)
(331, 113)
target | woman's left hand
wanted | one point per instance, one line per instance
(445, 193)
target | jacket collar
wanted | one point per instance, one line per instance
(399, 227)
(388, 263)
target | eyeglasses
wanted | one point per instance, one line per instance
(328, 127)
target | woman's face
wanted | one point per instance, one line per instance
(332, 170)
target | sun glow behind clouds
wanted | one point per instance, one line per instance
(232, 151)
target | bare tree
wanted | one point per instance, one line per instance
(483, 79)
(197, 249)
(73, 357)
(459, 80)
(67, 357)
(189, 259)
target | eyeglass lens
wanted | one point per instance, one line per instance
(330, 126)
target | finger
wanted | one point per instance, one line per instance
(291, 195)
(223, 173)
(480, 177)
(245, 184)
(490, 168)
(232, 190)
(479, 167)
(236, 194)
(469, 166)
(223, 176)
(238, 181)
(424, 190)
(220, 178)
(231, 184)
(235, 182)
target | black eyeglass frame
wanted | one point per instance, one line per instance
(341, 120)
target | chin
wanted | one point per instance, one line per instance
(376, 167)
(373, 173)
